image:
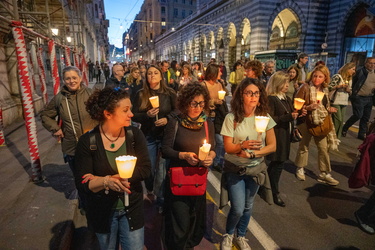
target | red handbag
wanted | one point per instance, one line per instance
(189, 181)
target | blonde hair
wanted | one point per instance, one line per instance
(130, 79)
(325, 72)
(343, 71)
(276, 83)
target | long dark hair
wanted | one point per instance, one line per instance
(237, 100)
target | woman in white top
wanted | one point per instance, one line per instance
(341, 87)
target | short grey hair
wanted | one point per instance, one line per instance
(72, 68)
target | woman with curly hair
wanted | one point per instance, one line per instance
(185, 216)
(114, 222)
(253, 69)
(153, 120)
(244, 160)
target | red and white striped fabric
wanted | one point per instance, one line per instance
(76, 60)
(27, 102)
(42, 75)
(2, 138)
(67, 57)
(84, 70)
(54, 70)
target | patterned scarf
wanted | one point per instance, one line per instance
(320, 114)
(195, 124)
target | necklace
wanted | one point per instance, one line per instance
(113, 141)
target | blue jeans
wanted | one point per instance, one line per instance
(362, 106)
(120, 234)
(242, 191)
(219, 150)
(153, 146)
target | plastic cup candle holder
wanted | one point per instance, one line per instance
(177, 73)
(319, 96)
(298, 103)
(204, 150)
(261, 123)
(155, 103)
(199, 75)
(125, 166)
(221, 94)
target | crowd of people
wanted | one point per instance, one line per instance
(120, 119)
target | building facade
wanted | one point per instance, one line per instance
(336, 31)
(78, 25)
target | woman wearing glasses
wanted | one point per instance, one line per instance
(153, 120)
(184, 134)
(244, 160)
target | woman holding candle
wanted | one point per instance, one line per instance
(236, 76)
(244, 159)
(317, 112)
(184, 135)
(153, 120)
(282, 112)
(218, 109)
(341, 85)
(97, 175)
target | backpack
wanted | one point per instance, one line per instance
(129, 136)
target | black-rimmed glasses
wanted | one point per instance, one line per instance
(195, 104)
(251, 93)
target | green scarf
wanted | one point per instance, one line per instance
(195, 124)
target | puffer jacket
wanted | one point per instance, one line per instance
(81, 119)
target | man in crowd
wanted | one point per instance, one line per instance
(118, 79)
(302, 68)
(363, 87)
(269, 68)
(167, 74)
(91, 70)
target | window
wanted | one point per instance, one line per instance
(176, 1)
(183, 1)
(163, 10)
(175, 12)
(190, 12)
(191, 2)
(163, 21)
(183, 13)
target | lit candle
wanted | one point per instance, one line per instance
(177, 73)
(204, 150)
(199, 74)
(221, 94)
(298, 103)
(125, 166)
(319, 96)
(261, 123)
(155, 103)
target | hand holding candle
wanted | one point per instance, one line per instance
(125, 166)
(261, 123)
(155, 103)
(204, 150)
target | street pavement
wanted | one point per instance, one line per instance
(45, 215)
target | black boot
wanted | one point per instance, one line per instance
(278, 201)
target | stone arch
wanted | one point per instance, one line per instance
(286, 22)
(350, 7)
(245, 30)
(230, 41)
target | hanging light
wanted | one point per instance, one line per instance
(55, 32)
(68, 39)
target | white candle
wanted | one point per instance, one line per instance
(261, 123)
(177, 73)
(155, 103)
(199, 75)
(204, 150)
(221, 94)
(298, 103)
(125, 166)
(319, 96)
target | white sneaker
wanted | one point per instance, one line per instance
(300, 174)
(226, 244)
(328, 179)
(242, 243)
